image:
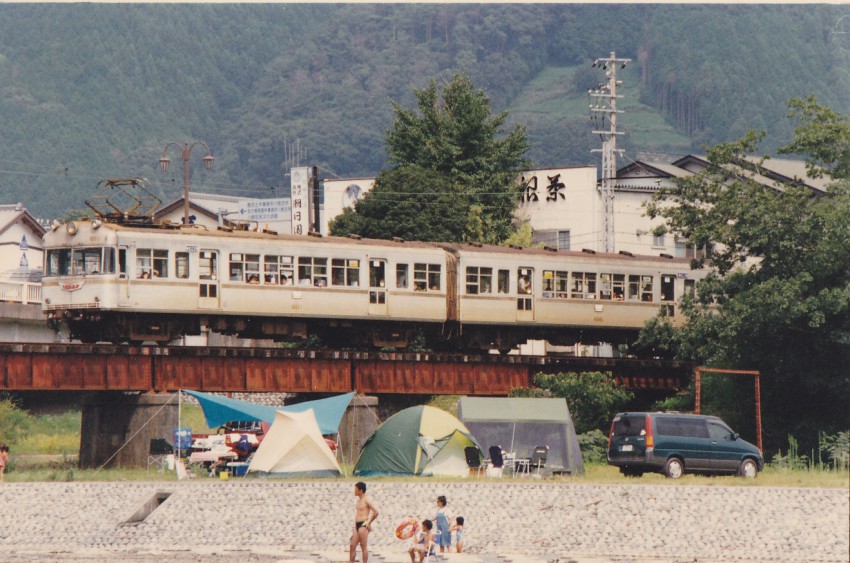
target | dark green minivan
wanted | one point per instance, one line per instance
(673, 444)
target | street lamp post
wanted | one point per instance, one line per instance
(185, 152)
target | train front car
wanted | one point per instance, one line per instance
(510, 295)
(80, 277)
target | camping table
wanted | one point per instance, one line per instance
(522, 465)
(212, 456)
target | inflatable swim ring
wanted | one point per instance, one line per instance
(406, 529)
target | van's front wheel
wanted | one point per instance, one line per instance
(674, 468)
(748, 469)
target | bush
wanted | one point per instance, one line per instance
(594, 445)
(593, 398)
(14, 422)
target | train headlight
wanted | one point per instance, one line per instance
(95, 224)
(71, 228)
(56, 224)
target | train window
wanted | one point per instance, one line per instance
(345, 272)
(87, 261)
(377, 273)
(646, 283)
(401, 276)
(181, 264)
(524, 281)
(426, 277)
(612, 286)
(160, 263)
(144, 262)
(479, 280)
(312, 271)
(237, 267)
(667, 288)
(208, 265)
(690, 288)
(555, 284)
(252, 268)
(278, 270)
(548, 284)
(108, 261)
(504, 281)
(59, 262)
(245, 267)
(151, 263)
(583, 286)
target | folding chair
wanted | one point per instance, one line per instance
(538, 458)
(473, 460)
(497, 462)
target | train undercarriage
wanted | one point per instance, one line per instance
(165, 329)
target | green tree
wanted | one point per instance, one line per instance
(594, 398)
(455, 136)
(408, 202)
(779, 301)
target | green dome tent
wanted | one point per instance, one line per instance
(417, 441)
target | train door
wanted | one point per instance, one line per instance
(123, 277)
(525, 294)
(377, 286)
(668, 295)
(208, 286)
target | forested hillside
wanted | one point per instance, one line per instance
(95, 91)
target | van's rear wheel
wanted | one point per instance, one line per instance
(748, 469)
(674, 468)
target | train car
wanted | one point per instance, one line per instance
(509, 295)
(116, 283)
(120, 283)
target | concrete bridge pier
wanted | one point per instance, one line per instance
(358, 423)
(117, 427)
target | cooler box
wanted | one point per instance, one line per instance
(182, 439)
(238, 468)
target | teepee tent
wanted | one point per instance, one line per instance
(294, 447)
(417, 441)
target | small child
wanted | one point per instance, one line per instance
(423, 541)
(443, 521)
(458, 530)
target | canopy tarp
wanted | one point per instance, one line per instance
(220, 410)
(518, 425)
(294, 447)
(417, 441)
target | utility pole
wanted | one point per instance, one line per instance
(605, 107)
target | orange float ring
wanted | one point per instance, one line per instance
(406, 529)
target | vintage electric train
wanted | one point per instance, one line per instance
(120, 283)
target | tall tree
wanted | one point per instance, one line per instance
(455, 136)
(780, 301)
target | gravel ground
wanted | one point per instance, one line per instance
(250, 520)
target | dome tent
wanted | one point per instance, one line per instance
(417, 441)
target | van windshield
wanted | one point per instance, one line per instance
(629, 425)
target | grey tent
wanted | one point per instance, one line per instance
(520, 424)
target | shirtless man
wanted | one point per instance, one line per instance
(364, 515)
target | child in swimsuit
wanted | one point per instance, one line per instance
(423, 541)
(4, 458)
(458, 530)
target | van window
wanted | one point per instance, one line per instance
(684, 427)
(630, 426)
(719, 432)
